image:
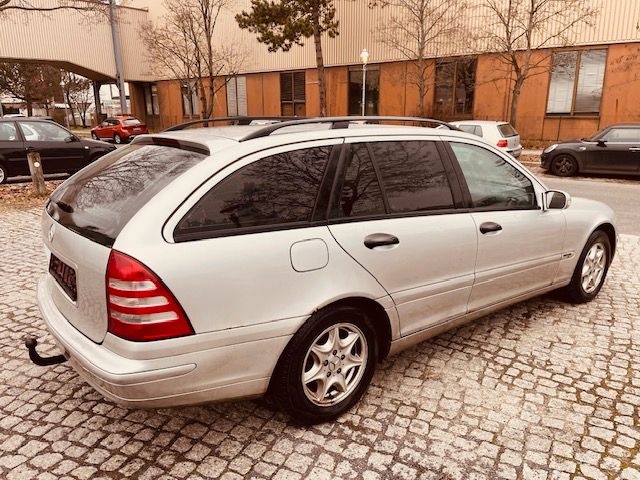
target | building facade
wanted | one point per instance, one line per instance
(573, 92)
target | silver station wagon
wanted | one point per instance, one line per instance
(288, 258)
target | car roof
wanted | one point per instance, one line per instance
(218, 138)
(30, 119)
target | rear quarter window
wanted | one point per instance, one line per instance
(100, 200)
(507, 130)
(278, 189)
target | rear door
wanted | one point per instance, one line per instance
(395, 211)
(60, 151)
(519, 244)
(620, 154)
(12, 151)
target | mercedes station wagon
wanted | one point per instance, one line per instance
(287, 259)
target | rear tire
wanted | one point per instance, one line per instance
(591, 269)
(4, 174)
(564, 165)
(327, 365)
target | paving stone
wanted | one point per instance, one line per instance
(541, 390)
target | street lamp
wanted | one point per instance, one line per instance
(64, 102)
(364, 58)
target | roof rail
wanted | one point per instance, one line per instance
(239, 120)
(341, 122)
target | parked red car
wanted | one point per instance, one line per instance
(119, 129)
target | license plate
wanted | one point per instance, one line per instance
(137, 129)
(65, 276)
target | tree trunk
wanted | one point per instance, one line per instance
(422, 90)
(517, 89)
(29, 107)
(317, 40)
(73, 117)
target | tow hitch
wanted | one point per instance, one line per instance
(30, 342)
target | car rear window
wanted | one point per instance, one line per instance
(507, 130)
(131, 121)
(100, 200)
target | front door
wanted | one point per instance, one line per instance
(59, 150)
(395, 212)
(620, 153)
(519, 244)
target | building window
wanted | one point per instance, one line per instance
(576, 82)
(151, 100)
(455, 85)
(292, 94)
(189, 99)
(372, 97)
(237, 96)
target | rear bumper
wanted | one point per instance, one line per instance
(239, 370)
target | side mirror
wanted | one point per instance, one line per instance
(70, 139)
(602, 143)
(556, 200)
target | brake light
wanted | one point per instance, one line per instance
(140, 307)
(502, 143)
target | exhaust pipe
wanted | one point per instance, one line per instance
(30, 342)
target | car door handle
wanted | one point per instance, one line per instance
(30, 149)
(488, 227)
(380, 240)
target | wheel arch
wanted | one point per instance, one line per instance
(610, 230)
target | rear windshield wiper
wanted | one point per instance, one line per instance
(65, 207)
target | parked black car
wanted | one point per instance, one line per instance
(614, 149)
(59, 149)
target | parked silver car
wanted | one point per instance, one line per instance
(218, 263)
(500, 134)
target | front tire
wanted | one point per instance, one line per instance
(94, 136)
(591, 270)
(327, 365)
(564, 165)
(117, 139)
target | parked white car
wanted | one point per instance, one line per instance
(218, 263)
(500, 134)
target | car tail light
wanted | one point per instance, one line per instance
(140, 307)
(502, 143)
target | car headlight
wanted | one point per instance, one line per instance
(550, 148)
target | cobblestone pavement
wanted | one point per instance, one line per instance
(543, 390)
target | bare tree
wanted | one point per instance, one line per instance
(88, 6)
(420, 30)
(185, 45)
(77, 94)
(515, 29)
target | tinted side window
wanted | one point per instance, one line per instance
(43, 132)
(492, 181)
(274, 190)
(413, 176)
(360, 193)
(8, 132)
(624, 135)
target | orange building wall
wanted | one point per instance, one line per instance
(621, 85)
(399, 97)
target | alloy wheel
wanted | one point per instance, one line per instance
(593, 267)
(564, 166)
(334, 364)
